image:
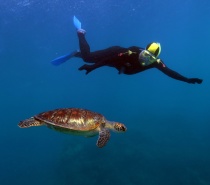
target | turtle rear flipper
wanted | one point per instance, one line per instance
(30, 123)
(103, 138)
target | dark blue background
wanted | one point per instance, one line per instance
(167, 141)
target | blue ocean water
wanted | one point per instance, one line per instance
(167, 141)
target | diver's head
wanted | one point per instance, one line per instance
(154, 48)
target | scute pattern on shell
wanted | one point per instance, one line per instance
(72, 118)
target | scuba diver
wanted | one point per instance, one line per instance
(128, 61)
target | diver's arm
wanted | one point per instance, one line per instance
(162, 67)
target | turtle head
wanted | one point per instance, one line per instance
(119, 127)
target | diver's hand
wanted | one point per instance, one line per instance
(194, 80)
(86, 67)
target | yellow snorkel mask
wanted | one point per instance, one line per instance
(150, 54)
(146, 58)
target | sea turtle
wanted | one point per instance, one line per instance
(76, 121)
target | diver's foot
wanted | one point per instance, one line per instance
(81, 31)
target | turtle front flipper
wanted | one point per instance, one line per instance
(103, 138)
(30, 123)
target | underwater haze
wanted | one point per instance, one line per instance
(168, 121)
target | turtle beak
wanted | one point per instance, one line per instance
(123, 128)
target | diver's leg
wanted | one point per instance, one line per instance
(84, 47)
(85, 54)
(96, 56)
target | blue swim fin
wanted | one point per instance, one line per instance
(63, 58)
(77, 23)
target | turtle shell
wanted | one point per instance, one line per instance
(71, 118)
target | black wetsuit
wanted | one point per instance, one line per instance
(125, 62)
